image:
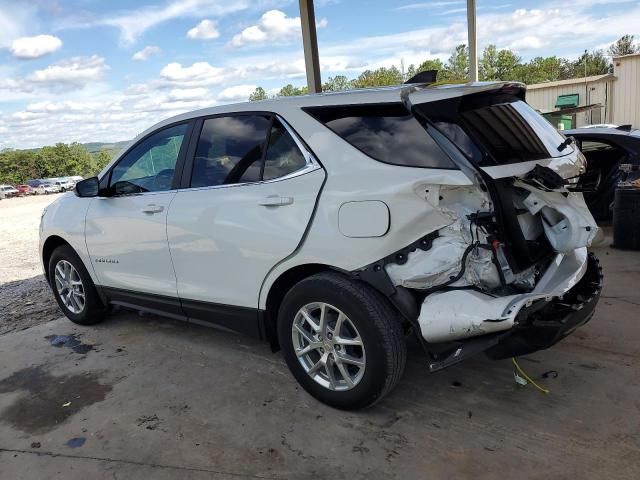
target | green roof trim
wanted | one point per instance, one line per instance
(568, 101)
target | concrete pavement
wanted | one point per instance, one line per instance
(142, 397)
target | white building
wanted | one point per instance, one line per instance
(609, 98)
(626, 98)
(585, 101)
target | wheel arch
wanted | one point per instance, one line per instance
(49, 245)
(279, 289)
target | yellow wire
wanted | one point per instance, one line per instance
(527, 378)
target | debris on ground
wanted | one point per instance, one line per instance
(70, 341)
(150, 422)
(76, 442)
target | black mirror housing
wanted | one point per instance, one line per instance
(87, 188)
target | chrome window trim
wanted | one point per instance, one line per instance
(311, 163)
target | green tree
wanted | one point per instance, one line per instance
(379, 77)
(258, 94)
(336, 84)
(488, 64)
(291, 91)
(430, 64)
(101, 160)
(595, 61)
(623, 46)
(60, 160)
(457, 67)
(506, 65)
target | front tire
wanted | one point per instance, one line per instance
(341, 340)
(73, 288)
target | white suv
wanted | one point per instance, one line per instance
(335, 225)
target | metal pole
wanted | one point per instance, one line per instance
(473, 48)
(310, 44)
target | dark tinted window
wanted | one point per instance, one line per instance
(150, 165)
(230, 150)
(283, 155)
(492, 130)
(388, 133)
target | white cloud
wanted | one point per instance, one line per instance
(530, 42)
(205, 30)
(273, 26)
(425, 5)
(200, 73)
(189, 94)
(146, 53)
(239, 93)
(76, 70)
(134, 23)
(35, 47)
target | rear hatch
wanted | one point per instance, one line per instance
(521, 160)
(496, 130)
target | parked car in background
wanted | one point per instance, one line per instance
(8, 191)
(35, 182)
(63, 185)
(46, 188)
(24, 189)
(605, 150)
(335, 225)
(75, 179)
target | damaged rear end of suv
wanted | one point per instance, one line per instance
(505, 270)
(334, 225)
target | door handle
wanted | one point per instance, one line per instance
(276, 201)
(151, 208)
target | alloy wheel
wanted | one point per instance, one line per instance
(328, 346)
(69, 286)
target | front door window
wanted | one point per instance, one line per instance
(150, 165)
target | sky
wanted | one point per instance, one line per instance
(94, 70)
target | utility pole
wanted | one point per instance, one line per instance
(586, 90)
(310, 44)
(473, 47)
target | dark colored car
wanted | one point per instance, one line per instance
(605, 150)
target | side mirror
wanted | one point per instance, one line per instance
(87, 188)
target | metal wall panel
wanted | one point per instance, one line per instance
(626, 101)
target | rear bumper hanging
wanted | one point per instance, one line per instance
(545, 323)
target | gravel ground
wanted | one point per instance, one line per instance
(25, 297)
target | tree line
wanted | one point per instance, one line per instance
(494, 64)
(59, 160)
(18, 166)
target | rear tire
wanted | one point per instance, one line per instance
(359, 346)
(73, 288)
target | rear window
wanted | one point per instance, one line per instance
(386, 132)
(495, 130)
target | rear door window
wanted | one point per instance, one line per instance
(230, 150)
(283, 156)
(244, 149)
(388, 133)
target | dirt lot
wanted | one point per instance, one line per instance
(25, 298)
(142, 397)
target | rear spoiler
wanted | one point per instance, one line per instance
(427, 76)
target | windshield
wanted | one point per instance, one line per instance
(495, 130)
